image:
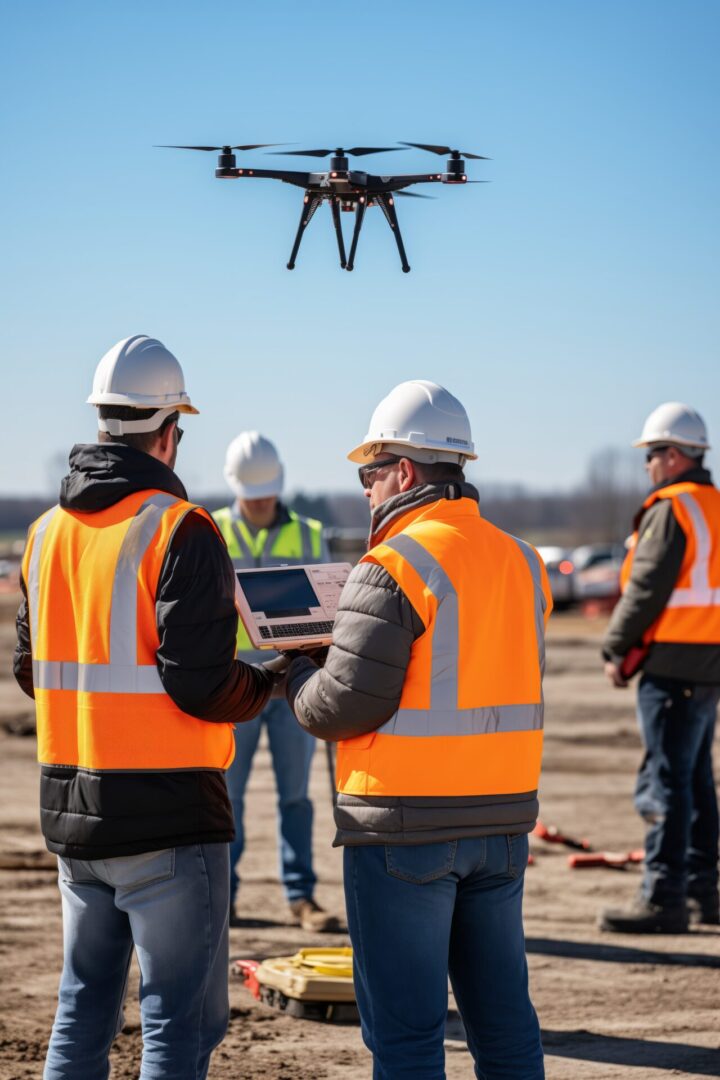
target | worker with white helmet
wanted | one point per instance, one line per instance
(260, 530)
(432, 692)
(126, 640)
(668, 623)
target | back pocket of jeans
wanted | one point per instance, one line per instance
(420, 863)
(130, 872)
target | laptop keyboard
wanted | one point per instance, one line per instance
(287, 630)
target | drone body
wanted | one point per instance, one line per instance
(346, 189)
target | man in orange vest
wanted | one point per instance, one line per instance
(126, 640)
(668, 622)
(432, 689)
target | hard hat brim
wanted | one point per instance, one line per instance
(364, 453)
(671, 441)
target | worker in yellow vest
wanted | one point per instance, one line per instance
(669, 618)
(126, 640)
(432, 690)
(261, 531)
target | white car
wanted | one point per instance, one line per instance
(561, 574)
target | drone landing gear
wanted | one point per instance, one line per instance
(310, 205)
(335, 207)
(360, 208)
(388, 208)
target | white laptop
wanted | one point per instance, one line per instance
(290, 607)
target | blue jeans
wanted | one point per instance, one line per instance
(675, 791)
(170, 907)
(415, 913)
(291, 749)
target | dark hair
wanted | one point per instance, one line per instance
(139, 440)
(439, 472)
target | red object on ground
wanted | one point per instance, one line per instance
(552, 835)
(531, 860)
(616, 860)
(247, 969)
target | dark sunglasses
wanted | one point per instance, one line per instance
(653, 451)
(366, 473)
(179, 432)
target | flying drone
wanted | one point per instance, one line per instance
(347, 190)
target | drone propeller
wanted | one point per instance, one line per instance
(248, 146)
(443, 150)
(355, 151)
(411, 195)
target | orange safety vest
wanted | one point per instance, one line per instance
(470, 717)
(692, 614)
(92, 582)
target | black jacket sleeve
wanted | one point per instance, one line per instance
(658, 557)
(22, 660)
(197, 626)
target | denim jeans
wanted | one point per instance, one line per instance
(415, 913)
(171, 907)
(291, 749)
(675, 791)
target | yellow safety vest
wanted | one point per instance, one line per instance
(297, 542)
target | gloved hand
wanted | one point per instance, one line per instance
(317, 655)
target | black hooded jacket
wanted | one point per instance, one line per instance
(89, 814)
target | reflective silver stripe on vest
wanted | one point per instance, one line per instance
(123, 674)
(33, 583)
(700, 592)
(245, 560)
(265, 559)
(444, 717)
(97, 678)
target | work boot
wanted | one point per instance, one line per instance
(644, 917)
(704, 909)
(308, 914)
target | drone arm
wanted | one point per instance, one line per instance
(299, 179)
(382, 184)
(388, 207)
(310, 205)
(360, 208)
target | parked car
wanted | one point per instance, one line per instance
(561, 574)
(597, 570)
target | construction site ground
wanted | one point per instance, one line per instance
(610, 1006)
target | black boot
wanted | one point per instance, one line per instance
(644, 917)
(704, 909)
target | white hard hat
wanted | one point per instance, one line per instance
(675, 423)
(252, 467)
(420, 420)
(140, 373)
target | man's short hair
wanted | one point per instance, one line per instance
(439, 472)
(139, 440)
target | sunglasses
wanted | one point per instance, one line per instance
(653, 451)
(366, 473)
(179, 432)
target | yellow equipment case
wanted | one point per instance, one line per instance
(314, 984)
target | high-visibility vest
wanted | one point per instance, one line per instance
(692, 614)
(92, 582)
(297, 542)
(470, 717)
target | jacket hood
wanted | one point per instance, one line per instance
(101, 474)
(394, 507)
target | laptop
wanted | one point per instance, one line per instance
(290, 607)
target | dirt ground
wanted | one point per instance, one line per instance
(610, 1005)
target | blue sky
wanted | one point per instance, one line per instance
(561, 302)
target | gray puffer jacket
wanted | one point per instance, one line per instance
(359, 689)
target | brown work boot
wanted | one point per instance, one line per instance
(308, 914)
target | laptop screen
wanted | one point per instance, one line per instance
(279, 594)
